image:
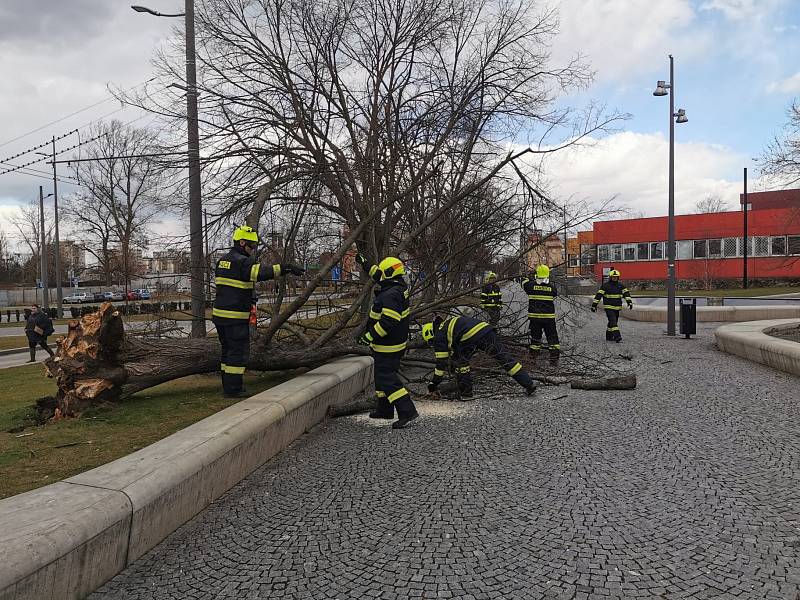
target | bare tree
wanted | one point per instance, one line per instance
(781, 158)
(119, 196)
(712, 203)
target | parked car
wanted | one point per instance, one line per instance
(183, 290)
(133, 295)
(98, 297)
(142, 293)
(78, 298)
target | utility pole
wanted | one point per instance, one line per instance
(43, 252)
(195, 203)
(744, 237)
(59, 291)
(207, 257)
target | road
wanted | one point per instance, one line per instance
(686, 487)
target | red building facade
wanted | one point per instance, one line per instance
(709, 246)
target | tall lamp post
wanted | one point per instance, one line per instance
(43, 251)
(662, 89)
(197, 267)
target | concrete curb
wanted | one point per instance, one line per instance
(658, 314)
(64, 540)
(753, 342)
(10, 351)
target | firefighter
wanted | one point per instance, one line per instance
(542, 312)
(611, 293)
(458, 338)
(236, 274)
(387, 337)
(492, 298)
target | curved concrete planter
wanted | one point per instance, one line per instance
(716, 314)
(66, 539)
(753, 342)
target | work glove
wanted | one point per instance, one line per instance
(630, 305)
(361, 259)
(292, 268)
(365, 339)
(432, 387)
(593, 309)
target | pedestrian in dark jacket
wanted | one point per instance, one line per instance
(38, 328)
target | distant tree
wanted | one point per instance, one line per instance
(27, 227)
(712, 203)
(781, 158)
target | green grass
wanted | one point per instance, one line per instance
(14, 341)
(102, 434)
(731, 292)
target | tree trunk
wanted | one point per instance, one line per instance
(622, 382)
(98, 363)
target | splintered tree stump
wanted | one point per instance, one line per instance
(620, 382)
(97, 363)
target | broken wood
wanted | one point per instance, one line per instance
(619, 382)
(360, 405)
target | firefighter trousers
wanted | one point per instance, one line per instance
(389, 389)
(613, 333)
(235, 340)
(493, 314)
(548, 326)
(489, 343)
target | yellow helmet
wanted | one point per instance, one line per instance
(613, 273)
(542, 272)
(490, 275)
(391, 267)
(427, 332)
(245, 232)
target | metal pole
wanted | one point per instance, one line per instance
(207, 276)
(744, 238)
(671, 218)
(43, 252)
(59, 291)
(195, 204)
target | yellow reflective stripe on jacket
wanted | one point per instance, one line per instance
(254, 272)
(372, 270)
(515, 369)
(395, 348)
(233, 370)
(611, 307)
(541, 315)
(531, 297)
(393, 314)
(236, 283)
(276, 271)
(614, 296)
(438, 372)
(474, 330)
(450, 328)
(380, 330)
(374, 315)
(463, 369)
(229, 314)
(398, 394)
(441, 354)
(601, 291)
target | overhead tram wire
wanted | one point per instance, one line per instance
(49, 158)
(72, 114)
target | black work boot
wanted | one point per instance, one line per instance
(406, 412)
(530, 389)
(382, 410)
(33, 355)
(452, 390)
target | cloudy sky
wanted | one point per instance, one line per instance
(736, 74)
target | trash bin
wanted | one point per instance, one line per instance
(688, 316)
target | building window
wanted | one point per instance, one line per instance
(685, 249)
(642, 251)
(729, 247)
(602, 253)
(714, 248)
(793, 245)
(749, 246)
(777, 246)
(616, 252)
(760, 246)
(700, 249)
(629, 252)
(656, 250)
(573, 262)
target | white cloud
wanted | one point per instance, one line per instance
(739, 10)
(634, 166)
(622, 38)
(790, 85)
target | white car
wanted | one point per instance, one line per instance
(78, 298)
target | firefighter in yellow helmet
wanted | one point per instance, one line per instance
(492, 298)
(236, 274)
(612, 293)
(387, 337)
(542, 312)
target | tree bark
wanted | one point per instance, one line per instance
(622, 382)
(97, 363)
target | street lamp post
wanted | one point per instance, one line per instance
(662, 89)
(43, 252)
(193, 151)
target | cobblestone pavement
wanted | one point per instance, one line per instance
(684, 488)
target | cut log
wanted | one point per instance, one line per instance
(96, 363)
(619, 382)
(359, 405)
